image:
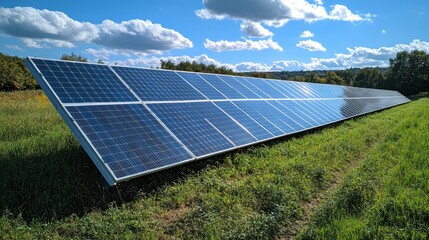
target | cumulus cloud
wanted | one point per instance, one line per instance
(275, 13)
(140, 35)
(311, 46)
(206, 14)
(247, 44)
(260, 10)
(44, 28)
(28, 22)
(14, 47)
(306, 34)
(342, 13)
(254, 29)
(154, 62)
(354, 57)
(46, 43)
(275, 10)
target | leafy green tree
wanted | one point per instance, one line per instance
(74, 57)
(348, 75)
(333, 78)
(194, 67)
(409, 72)
(261, 75)
(369, 78)
(14, 75)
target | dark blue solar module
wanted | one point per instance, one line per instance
(77, 82)
(202, 127)
(199, 83)
(272, 119)
(254, 89)
(238, 86)
(128, 139)
(250, 124)
(222, 87)
(156, 85)
(265, 87)
(134, 121)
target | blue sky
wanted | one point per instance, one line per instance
(244, 35)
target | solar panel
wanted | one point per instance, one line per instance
(222, 86)
(128, 139)
(76, 82)
(202, 127)
(134, 121)
(154, 85)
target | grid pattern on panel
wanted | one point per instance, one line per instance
(201, 126)
(186, 116)
(202, 86)
(239, 87)
(78, 82)
(314, 112)
(157, 85)
(265, 87)
(222, 87)
(129, 140)
(293, 120)
(250, 124)
(269, 117)
(251, 87)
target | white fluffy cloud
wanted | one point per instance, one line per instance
(311, 46)
(279, 11)
(254, 29)
(342, 13)
(43, 28)
(31, 23)
(355, 57)
(246, 44)
(261, 10)
(139, 35)
(206, 14)
(14, 47)
(46, 43)
(306, 34)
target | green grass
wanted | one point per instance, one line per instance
(49, 187)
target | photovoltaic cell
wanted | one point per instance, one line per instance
(199, 83)
(156, 85)
(265, 87)
(250, 124)
(222, 87)
(254, 89)
(267, 115)
(78, 82)
(128, 139)
(201, 126)
(239, 87)
(134, 121)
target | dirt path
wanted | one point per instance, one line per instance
(293, 229)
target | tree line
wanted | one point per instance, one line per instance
(195, 67)
(407, 73)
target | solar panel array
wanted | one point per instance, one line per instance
(133, 121)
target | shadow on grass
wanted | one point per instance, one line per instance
(58, 184)
(419, 96)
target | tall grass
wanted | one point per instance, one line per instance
(49, 188)
(388, 195)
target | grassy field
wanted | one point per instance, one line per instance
(365, 178)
